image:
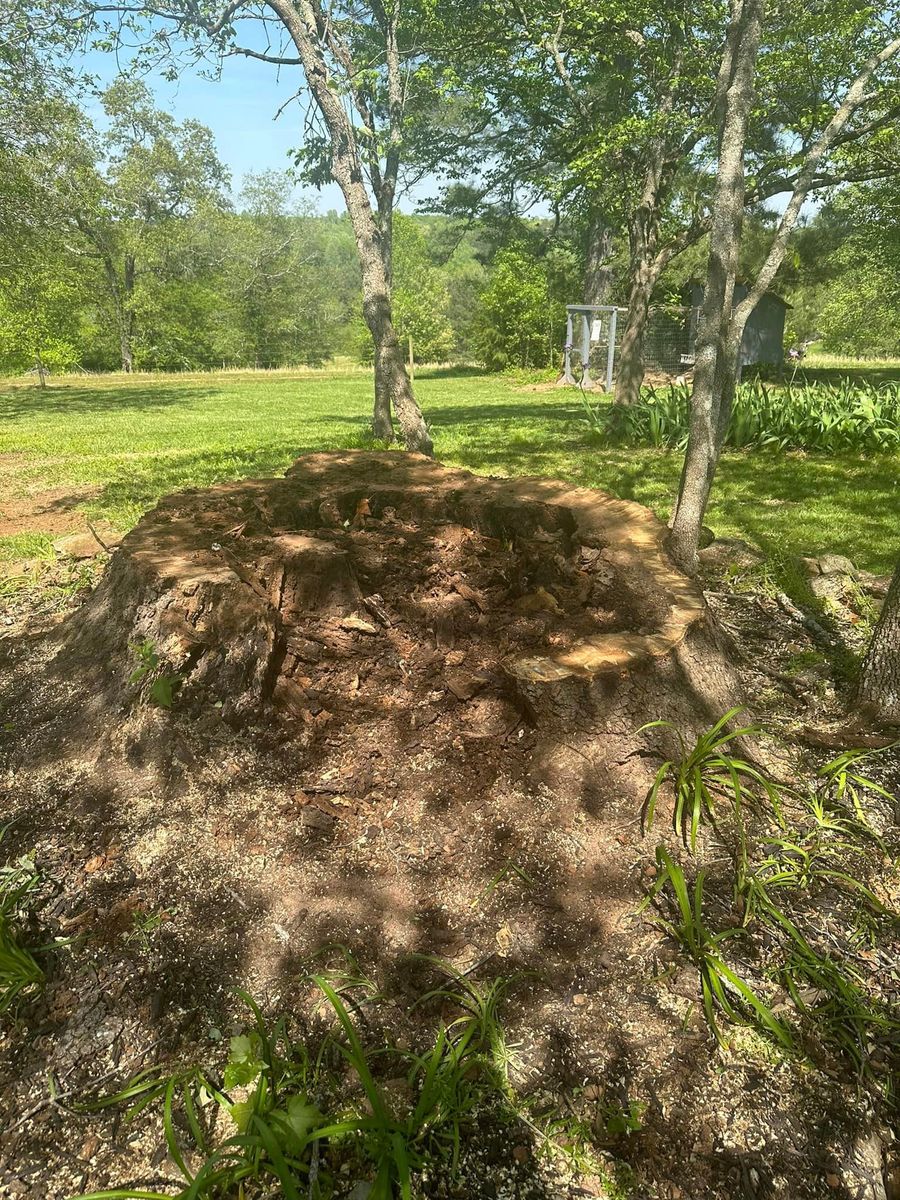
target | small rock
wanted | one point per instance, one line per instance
(593, 1185)
(537, 601)
(464, 685)
(863, 1168)
(470, 594)
(358, 625)
(314, 818)
(836, 564)
(829, 587)
(875, 585)
(85, 545)
(90, 1147)
(504, 938)
(685, 983)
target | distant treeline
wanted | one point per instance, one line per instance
(126, 250)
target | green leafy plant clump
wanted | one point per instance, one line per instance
(21, 976)
(707, 771)
(718, 981)
(773, 877)
(295, 1120)
(161, 685)
(827, 417)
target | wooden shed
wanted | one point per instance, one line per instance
(763, 340)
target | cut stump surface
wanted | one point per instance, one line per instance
(561, 600)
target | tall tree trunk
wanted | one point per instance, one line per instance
(128, 315)
(879, 681)
(721, 330)
(392, 384)
(598, 253)
(643, 272)
(642, 280)
(717, 354)
(121, 312)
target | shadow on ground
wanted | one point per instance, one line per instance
(140, 813)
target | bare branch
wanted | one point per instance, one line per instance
(855, 96)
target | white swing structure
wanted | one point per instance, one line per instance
(597, 324)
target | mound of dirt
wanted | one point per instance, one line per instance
(371, 580)
(405, 716)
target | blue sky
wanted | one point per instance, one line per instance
(239, 108)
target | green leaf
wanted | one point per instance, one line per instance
(296, 1122)
(241, 1112)
(244, 1062)
(162, 691)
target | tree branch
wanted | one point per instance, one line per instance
(855, 96)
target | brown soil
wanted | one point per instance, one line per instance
(54, 510)
(376, 719)
(656, 379)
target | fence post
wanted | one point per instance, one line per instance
(611, 349)
(568, 377)
(586, 380)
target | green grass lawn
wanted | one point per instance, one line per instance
(137, 438)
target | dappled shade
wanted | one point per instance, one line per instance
(262, 596)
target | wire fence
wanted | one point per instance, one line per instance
(595, 335)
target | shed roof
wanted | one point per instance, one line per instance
(768, 295)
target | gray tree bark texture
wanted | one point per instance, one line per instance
(630, 369)
(716, 347)
(646, 263)
(721, 326)
(393, 389)
(598, 272)
(878, 690)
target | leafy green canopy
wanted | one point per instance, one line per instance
(522, 311)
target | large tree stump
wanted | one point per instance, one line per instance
(559, 602)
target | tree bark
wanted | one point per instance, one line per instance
(598, 269)
(121, 312)
(127, 327)
(878, 689)
(644, 270)
(717, 351)
(721, 328)
(630, 369)
(392, 384)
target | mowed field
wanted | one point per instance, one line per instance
(106, 448)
